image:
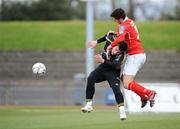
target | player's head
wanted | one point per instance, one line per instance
(118, 15)
(123, 46)
(120, 48)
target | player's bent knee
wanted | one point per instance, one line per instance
(127, 79)
(125, 84)
(91, 78)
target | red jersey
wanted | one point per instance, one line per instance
(128, 31)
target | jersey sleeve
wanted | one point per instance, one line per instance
(122, 30)
(101, 39)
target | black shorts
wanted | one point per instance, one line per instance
(104, 73)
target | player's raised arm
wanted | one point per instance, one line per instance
(118, 40)
(92, 44)
(122, 31)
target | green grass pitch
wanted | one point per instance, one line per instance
(163, 35)
(55, 117)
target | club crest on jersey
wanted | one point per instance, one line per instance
(121, 29)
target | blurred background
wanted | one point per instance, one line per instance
(55, 32)
(75, 9)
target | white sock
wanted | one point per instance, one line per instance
(89, 103)
(121, 108)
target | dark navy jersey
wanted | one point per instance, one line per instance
(115, 61)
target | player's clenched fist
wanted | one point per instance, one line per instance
(92, 44)
(99, 58)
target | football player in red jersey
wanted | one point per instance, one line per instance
(136, 57)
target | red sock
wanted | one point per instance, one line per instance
(139, 90)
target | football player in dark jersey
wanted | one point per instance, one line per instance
(108, 70)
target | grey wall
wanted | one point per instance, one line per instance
(160, 65)
(18, 85)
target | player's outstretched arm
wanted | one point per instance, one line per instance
(92, 44)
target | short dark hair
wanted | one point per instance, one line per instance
(123, 46)
(118, 13)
